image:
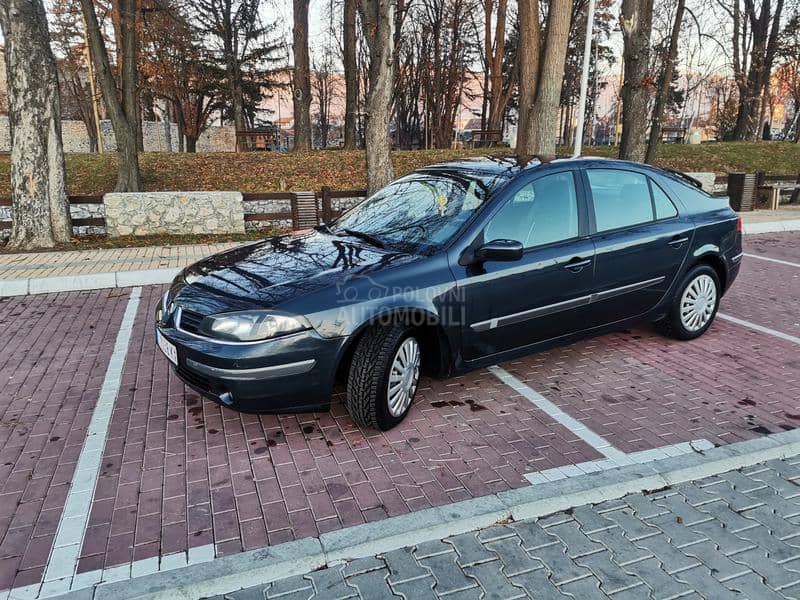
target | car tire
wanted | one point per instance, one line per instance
(378, 357)
(694, 305)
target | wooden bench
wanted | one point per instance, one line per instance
(486, 138)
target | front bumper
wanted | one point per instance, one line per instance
(292, 373)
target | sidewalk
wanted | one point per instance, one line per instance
(45, 272)
(735, 535)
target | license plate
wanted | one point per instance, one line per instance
(169, 349)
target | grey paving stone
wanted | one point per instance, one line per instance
(740, 482)
(533, 536)
(661, 585)
(678, 533)
(777, 525)
(613, 578)
(475, 593)
(787, 488)
(363, 565)
(608, 505)
(495, 532)
(372, 584)
(253, 593)
(470, 551)
(403, 566)
(555, 519)
(776, 549)
(788, 509)
(728, 543)
(751, 586)
(775, 575)
(537, 584)
(495, 584)
(577, 543)
(416, 589)
(671, 558)
(448, 575)
(641, 592)
(591, 520)
(561, 567)
(432, 548)
(291, 587)
(721, 566)
(731, 520)
(330, 583)
(698, 496)
(514, 559)
(785, 468)
(701, 580)
(632, 526)
(678, 506)
(643, 506)
(623, 551)
(588, 587)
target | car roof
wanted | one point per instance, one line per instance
(510, 166)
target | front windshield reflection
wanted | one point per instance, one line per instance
(418, 213)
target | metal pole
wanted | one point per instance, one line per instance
(587, 56)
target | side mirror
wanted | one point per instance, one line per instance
(500, 251)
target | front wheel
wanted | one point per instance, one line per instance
(383, 377)
(694, 306)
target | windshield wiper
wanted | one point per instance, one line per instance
(371, 239)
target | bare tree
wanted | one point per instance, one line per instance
(124, 124)
(40, 213)
(349, 62)
(551, 77)
(664, 84)
(636, 21)
(302, 78)
(378, 22)
(529, 50)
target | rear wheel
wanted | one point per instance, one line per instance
(383, 376)
(694, 306)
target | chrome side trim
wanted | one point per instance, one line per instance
(737, 258)
(550, 309)
(261, 373)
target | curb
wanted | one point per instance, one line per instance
(771, 227)
(79, 283)
(257, 567)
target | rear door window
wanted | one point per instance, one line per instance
(621, 198)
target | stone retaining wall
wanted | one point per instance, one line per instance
(77, 211)
(180, 213)
(75, 138)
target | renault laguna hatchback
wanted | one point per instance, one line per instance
(453, 267)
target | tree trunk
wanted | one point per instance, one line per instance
(191, 144)
(529, 48)
(302, 78)
(39, 211)
(350, 74)
(636, 21)
(377, 18)
(129, 75)
(664, 83)
(551, 77)
(128, 178)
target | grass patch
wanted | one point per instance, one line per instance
(340, 169)
(96, 242)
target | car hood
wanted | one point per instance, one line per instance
(276, 271)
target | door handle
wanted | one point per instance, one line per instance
(677, 241)
(576, 265)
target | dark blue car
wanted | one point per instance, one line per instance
(453, 267)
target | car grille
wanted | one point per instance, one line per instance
(189, 321)
(194, 379)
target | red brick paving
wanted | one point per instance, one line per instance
(53, 357)
(784, 246)
(180, 472)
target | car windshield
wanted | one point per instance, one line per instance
(418, 213)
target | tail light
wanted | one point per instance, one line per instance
(739, 225)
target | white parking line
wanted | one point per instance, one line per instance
(63, 561)
(761, 328)
(773, 260)
(614, 457)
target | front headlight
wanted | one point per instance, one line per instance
(252, 325)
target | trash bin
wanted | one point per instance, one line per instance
(742, 191)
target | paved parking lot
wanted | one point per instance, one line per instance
(179, 479)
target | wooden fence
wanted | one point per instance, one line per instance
(304, 209)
